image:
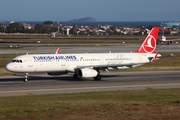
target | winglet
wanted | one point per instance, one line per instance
(57, 51)
(149, 44)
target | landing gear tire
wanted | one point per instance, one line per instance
(75, 76)
(26, 77)
(97, 78)
(25, 80)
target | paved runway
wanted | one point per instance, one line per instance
(44, 84)
(89, 49)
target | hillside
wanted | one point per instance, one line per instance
(86, 19)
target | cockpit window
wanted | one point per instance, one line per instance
(13, 61)
(18, 61)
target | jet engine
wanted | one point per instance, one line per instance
(170, 42)
(87, 72)
(56, 73)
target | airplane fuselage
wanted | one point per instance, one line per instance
(68, 62)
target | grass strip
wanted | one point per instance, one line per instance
(138, 104)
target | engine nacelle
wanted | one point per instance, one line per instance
(56, 73)
(87, 72)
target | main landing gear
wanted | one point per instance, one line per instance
(75, 76)
(26, 77)
(98, 77)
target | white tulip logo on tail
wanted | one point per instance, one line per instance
(150, 44)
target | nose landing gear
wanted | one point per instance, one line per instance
(26, 77)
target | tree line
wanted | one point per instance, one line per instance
(16, 27)
(48, 27)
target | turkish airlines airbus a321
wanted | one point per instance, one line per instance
(87, 64)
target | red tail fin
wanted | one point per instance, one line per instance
(149, 44)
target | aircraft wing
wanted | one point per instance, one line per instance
(101, 67)
(113, 66)
(173, 40)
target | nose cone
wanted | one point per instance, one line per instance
(9, 67)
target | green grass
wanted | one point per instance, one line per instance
(74, 39)
(138, 104)
(78, 38)
(5, 58)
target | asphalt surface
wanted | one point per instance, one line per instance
(88, 49)
(44, 84)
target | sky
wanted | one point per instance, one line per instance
(101, 10)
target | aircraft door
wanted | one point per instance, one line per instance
(102, 60)
(30, 61)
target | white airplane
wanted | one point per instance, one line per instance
(163, 39)
(88, 64)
